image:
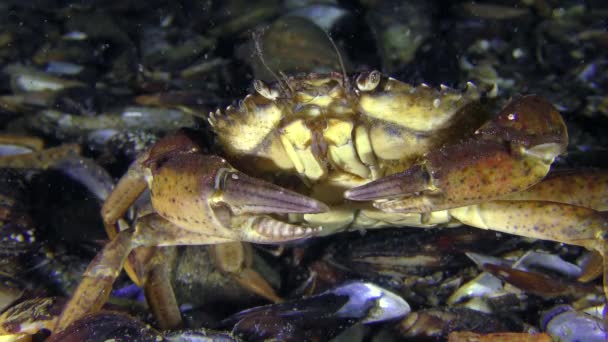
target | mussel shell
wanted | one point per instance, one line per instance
(17, 234)
(108, 325)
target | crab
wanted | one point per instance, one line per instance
(316, 154)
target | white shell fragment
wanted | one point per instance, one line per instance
(387, 304)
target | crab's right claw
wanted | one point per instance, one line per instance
(217, 200)
(245, 194)
(252, 200)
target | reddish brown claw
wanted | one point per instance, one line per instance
(509, 154)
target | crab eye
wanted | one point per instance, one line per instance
(368, 81)
(264, 90)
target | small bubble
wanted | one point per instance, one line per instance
(518, 53)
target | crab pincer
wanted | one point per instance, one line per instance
(508, 154)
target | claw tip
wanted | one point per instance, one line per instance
(322, 207)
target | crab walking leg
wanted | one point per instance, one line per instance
(153, 230)
(235, 258)
(543, 220)
(158, 290)
(593, 268)
(125, 193)
(231, 257)
(251, 280)
(97, 280)
(94, 288)
(584, 188)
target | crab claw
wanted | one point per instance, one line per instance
(265, 229)
(205, 194)
(528, 121)
(245, 194)
(176, 165)
(507, 155)
(248, 199)
(394, 186)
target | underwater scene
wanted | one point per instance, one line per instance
(297, 170)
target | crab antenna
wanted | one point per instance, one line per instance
(344, 77)
(258, 50)
(286, 81)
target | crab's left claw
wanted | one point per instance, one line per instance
(245, 194)
(509, 154)
(244, 204)
(249, 199)
(205, 194)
